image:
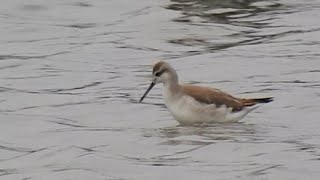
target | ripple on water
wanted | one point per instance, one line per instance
(72, 74)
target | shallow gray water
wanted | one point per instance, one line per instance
(71, 72)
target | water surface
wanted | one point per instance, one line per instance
(71, 73)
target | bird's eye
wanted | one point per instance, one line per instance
(159, 73)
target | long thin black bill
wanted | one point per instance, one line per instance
(145, 94)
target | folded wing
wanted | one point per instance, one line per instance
(214, 96)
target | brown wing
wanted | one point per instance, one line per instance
(213, 96)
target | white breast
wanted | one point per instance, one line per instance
(186, 110)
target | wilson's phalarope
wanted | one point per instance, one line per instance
(190, 104)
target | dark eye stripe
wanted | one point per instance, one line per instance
(159, 73)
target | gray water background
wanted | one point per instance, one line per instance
(72, 71)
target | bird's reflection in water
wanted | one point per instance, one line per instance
(205, 134)
(187, 139)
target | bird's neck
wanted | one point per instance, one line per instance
(171, 89)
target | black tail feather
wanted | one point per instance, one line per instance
(263, 100)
